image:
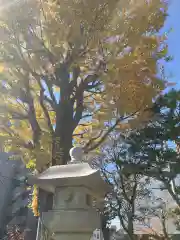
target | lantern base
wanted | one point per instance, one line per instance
(71, 221)
(72, 236)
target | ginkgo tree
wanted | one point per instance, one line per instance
(73, 71)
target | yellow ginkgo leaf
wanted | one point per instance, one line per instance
(82, 66)
(1, 68)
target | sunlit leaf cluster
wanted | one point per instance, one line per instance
(73, 70)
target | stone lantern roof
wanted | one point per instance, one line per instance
(74, 174)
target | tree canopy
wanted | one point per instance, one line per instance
(154, 150)
(151, 147)
(143, 168)
(72, 71)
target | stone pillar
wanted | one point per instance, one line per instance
(72, 216)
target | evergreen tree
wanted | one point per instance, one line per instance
(150, 148)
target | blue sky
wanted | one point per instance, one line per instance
(174, 49)
(174, 40)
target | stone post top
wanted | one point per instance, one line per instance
(76, 154)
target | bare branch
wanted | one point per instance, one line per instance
(123, 189)
(79, 103)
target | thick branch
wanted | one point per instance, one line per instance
(52, 58)
(73, 83)
(89, 146)
(89, 82)
(173, 195)
(123, 189)
(34, 74)
(134, 190)
(45, 112)
(32, 114)
(53, 106)
(79, 102)
(50, 89)
(122, 221)
(14, 114)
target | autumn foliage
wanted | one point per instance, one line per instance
(35, 201)
(74, 71)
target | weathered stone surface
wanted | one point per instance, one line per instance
(79, 174)
(74, 186)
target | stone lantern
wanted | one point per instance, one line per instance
(74, 187)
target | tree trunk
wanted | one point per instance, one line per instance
(62, 139)
(130, 226)
(173, 194)
(106, 233)
(131, 230)
(104, 227)
(60, 150)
